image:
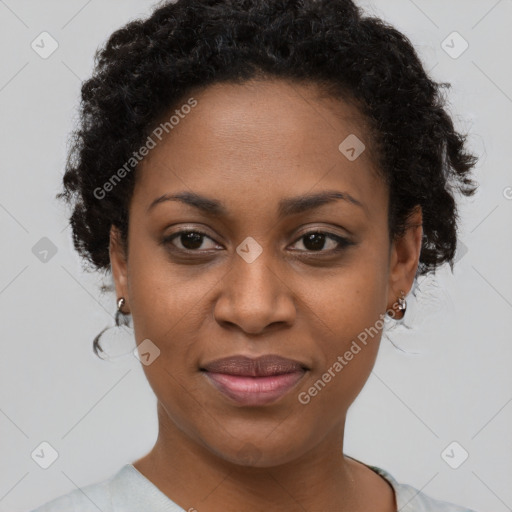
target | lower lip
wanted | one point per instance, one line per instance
(254, 390)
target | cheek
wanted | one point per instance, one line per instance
(349, 312)
(345, 360)
(164, 296)
(347, 300)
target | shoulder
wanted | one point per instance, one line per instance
(90, 498)
(125, 491)
(410, 499)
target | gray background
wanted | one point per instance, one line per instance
(451, 382)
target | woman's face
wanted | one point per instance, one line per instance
(256, 284)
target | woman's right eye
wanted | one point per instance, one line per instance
(190, 240)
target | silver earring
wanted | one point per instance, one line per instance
(122, 321)
(401, 306)
(119, 312)
(402, 303)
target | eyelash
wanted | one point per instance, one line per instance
(343, 242)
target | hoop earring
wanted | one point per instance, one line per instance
(119, 313)
(121, 321)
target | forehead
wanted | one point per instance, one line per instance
(260, 139)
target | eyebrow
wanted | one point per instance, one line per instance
(288, 206)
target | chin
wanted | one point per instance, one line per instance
(257, 454)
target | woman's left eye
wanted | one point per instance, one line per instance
(314, 241)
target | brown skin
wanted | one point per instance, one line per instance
(249, 146)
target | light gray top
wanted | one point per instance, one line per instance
(130, 491)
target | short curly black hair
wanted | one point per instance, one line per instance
(146, 68)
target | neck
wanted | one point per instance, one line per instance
(196, 478)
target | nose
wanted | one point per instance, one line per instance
(255, 297)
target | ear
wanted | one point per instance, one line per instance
(404, 258)
(118, 264)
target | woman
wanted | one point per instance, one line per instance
(265, 180)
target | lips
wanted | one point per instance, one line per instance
(254, 382)
(263, 366)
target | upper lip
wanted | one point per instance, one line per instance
(262, 366)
